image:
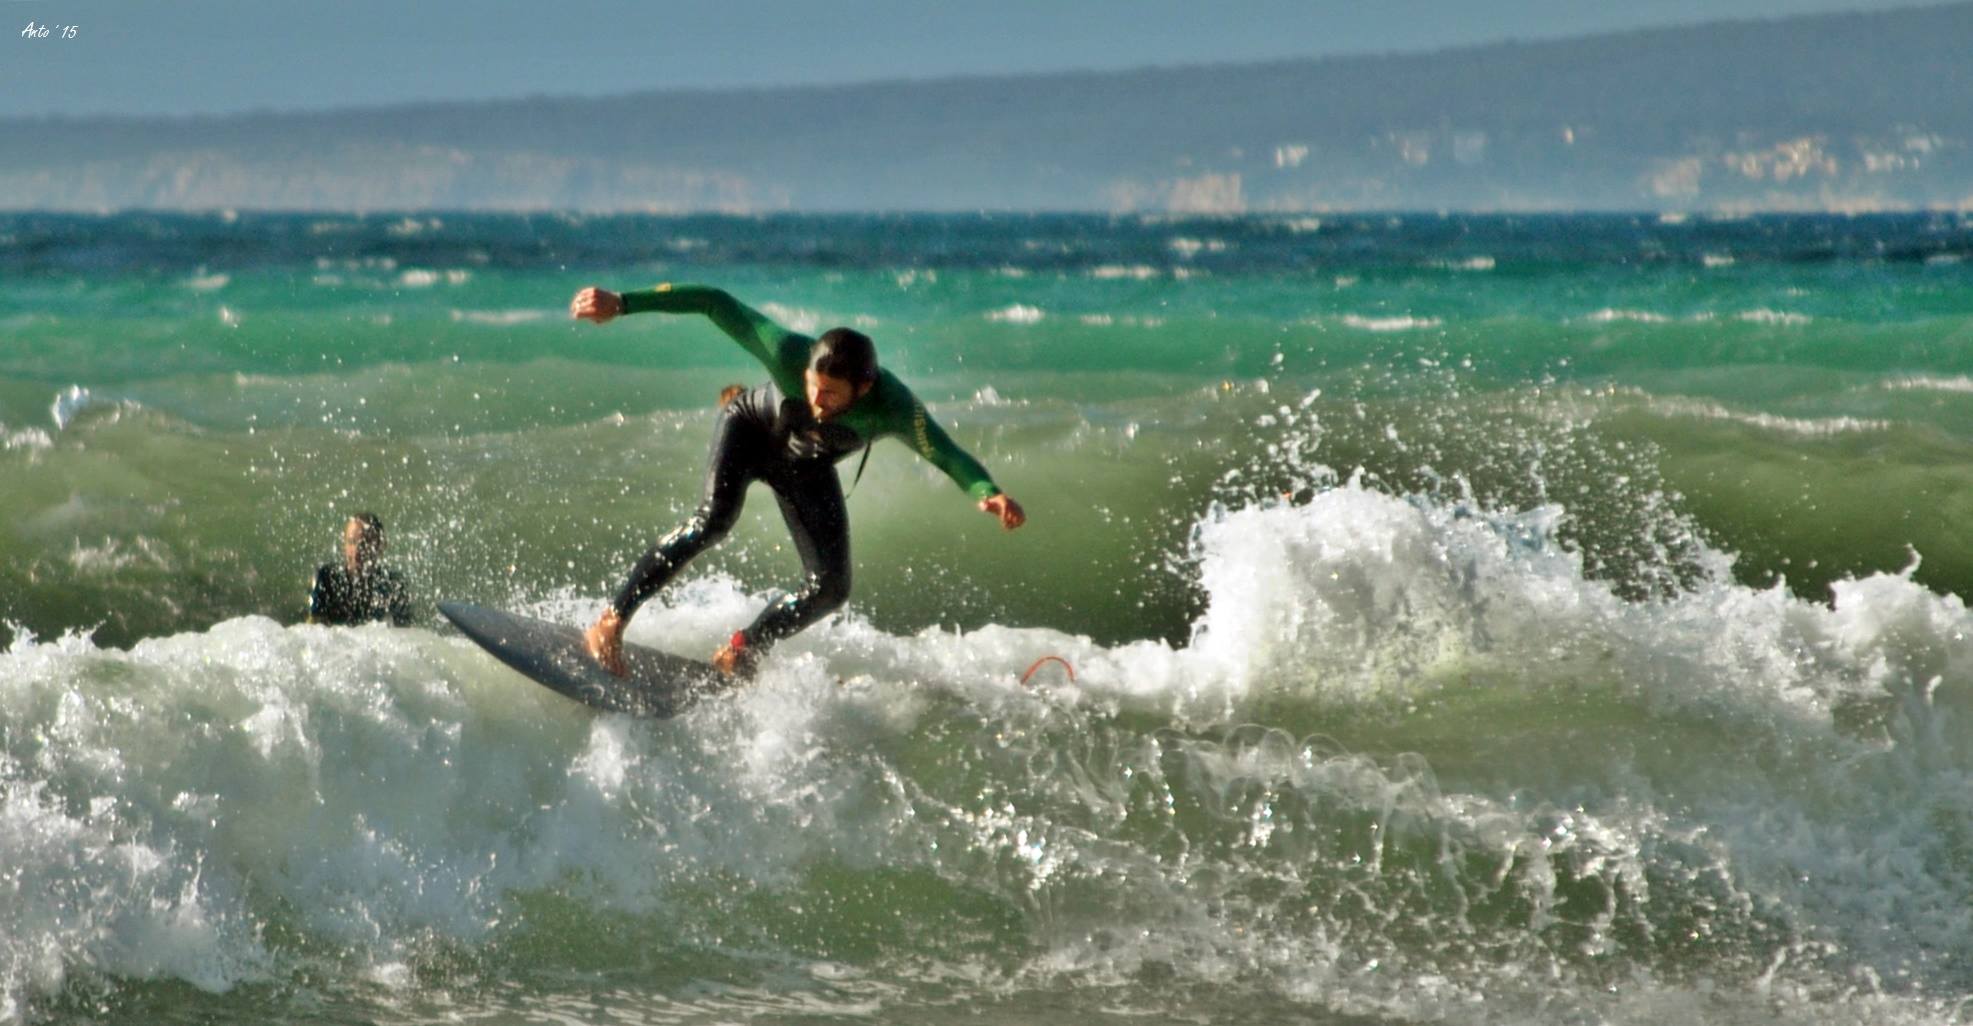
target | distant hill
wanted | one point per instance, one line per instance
(1834, 112)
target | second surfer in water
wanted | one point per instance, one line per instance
(827, 399)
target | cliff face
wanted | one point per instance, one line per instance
(1844, 112)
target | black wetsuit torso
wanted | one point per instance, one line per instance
(792, 427)
(342, 599)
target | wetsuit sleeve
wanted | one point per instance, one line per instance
(929, 440)
(756, 333)
(400, 602)
(319, 599)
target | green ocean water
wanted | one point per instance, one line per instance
(1474, 620)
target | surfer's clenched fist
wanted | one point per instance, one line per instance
(1006, 509)
(594, 304)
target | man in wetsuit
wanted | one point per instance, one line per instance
(359, 589)
(826, 400)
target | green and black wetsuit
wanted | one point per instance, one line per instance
(769, 434)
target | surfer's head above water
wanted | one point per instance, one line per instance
(842, 367)
(363, 540)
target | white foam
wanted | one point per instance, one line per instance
(1017, 314)
(1672, 761)
(1359, 599)
(1780, 317)
(501, 318)
(208, 282)
(1927, 383)
(114, 555)
(424, 278)
(1112, 320)
(1609, 315)
(1190, 247)
(1386, 325)
(1363, 597)
(25, 438)
(410, 226)
(1806, 427)
(1113, 272)
(73, 402)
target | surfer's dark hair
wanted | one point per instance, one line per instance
(844, 353)
(373, 526)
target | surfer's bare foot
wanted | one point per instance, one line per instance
(604, 640)
(736, 661)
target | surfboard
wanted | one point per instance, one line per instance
(552, 655)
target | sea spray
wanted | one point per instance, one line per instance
(1541, 641)
(1307, 797)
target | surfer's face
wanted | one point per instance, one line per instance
(829, 396)
(360, 543)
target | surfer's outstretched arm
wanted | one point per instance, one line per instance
(781, 351)
(929, 440)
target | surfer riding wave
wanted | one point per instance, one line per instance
(826, 399)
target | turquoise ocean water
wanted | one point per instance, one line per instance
(1474, 620)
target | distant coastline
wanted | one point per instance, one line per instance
(1847, 113)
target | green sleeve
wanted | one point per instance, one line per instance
(773, 345)
(908, 420)
(931, 442)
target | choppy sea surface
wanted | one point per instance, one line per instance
(1472, 620)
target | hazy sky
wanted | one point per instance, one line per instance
(208, 56)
